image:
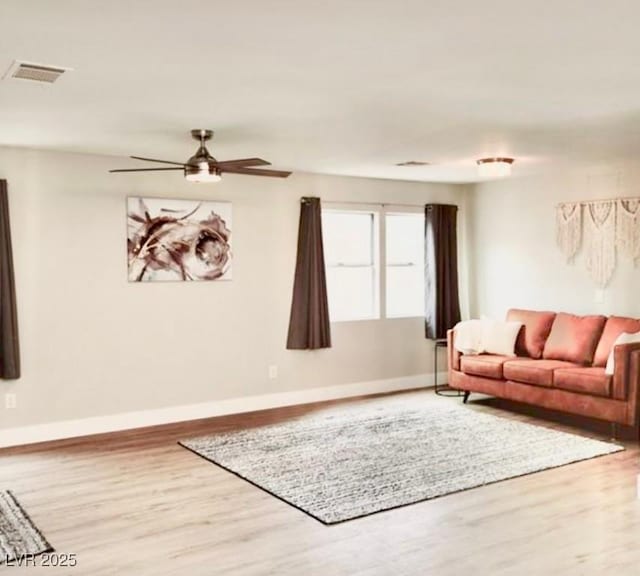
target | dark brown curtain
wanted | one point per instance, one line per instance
(309, 326)
(9, 349)
(441, 270)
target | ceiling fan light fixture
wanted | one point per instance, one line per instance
(494, 167)
(204, 172)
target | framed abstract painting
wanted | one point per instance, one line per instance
(178, 240)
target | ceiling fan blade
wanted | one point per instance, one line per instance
(243, 162)
(144, 169)
(154, 160)
(256, 172)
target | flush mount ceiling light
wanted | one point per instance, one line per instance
(494, 167)
(202, 167)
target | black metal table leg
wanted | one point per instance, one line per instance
(442, 389)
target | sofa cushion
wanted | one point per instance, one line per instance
(534, 333)
(539, 372)
(615, 326)
(574, 338)
(487, 365)
(590, 380)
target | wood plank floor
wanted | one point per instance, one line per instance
(136, 503)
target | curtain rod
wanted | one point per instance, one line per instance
(383, 204)
(587, 202)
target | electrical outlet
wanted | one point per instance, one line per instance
(273, 372)
(10, 401)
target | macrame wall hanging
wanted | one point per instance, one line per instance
(569, 229)
(628, 228)
(603, 226)
(600, 233)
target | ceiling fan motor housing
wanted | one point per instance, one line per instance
(201, 162)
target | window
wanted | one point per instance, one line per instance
(351, 258)
(404, 265)
(355, 279)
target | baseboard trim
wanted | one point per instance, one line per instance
(129, 420)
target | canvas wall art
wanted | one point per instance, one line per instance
(178, 240)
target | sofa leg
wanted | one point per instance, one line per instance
(614, 431)
(466, 396)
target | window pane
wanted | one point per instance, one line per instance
(405, 295)
(351, 293)
(405, 265)
(405, 239)
(350, 259)
(348, 237)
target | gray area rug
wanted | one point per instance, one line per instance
(345, 463)
(18, 535)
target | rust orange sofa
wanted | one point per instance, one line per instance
(560, 364)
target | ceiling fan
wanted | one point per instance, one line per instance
(202, 167)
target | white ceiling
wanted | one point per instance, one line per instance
(331, 86)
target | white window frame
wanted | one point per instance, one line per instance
(377, 273)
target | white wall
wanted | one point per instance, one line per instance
(514, 257)
(94, 344)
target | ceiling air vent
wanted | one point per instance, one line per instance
(413, 163)
(35, 72)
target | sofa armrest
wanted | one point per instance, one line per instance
(453, 354)
(633, 409)
(625, 377)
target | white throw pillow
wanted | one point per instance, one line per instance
(486, 336)
(624, 338)
(500, 337)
